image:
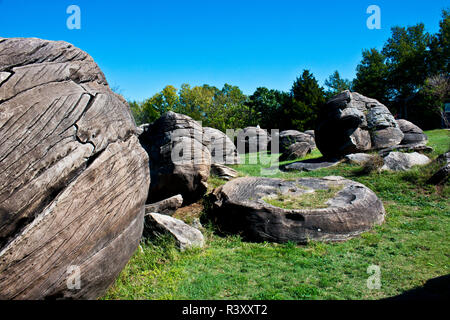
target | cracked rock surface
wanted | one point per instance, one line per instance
(240, 207)
(73, 176)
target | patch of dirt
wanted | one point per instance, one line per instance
(190, 212)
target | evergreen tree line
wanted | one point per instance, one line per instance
(410, 75)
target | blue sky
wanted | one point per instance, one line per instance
(144, 45)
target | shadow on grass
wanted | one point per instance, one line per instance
(434, 289)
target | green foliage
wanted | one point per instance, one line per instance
(307, 98)
(336, 84)
(371, 76)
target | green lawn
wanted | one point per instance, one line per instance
(412, 246)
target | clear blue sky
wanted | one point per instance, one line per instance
(144, 45)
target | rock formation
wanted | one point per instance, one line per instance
(179, 160)
(73, 177)
(327, 209)
(351, 123)
(222, 149)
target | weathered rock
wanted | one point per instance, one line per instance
(296, 151)
(179, 161)
(310, 164)
(167, 206)
(186, 236)
(358, 158)
(441, 176)
(412, 133)
(222, 149)
(399, 161)
(311, 133)
(223, 172)
(73, 177)
(252, 139)
(406, 148)
(352, 123)
(290, 137)
(240, 206)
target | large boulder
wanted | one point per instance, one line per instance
(73, 177)
(179, 160)
(290, 137)
(352, 123)
(412, 133)
(253, 139)
(277, 210)
(222, 149)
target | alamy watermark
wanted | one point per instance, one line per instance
(374, 20)
(374, 281)
(73, 281)
(74, 20)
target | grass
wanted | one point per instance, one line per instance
(411, 247)
(314, 200)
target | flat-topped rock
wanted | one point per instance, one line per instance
(300, 210)
(311, 164)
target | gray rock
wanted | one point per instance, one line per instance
(399, 161)
(311, 133)
(358, 158)
(179, 161)
(406, 148)
(222, 149)
(352, 123)
(223, 172)
(441, 176)
(290, 137)
(412, 133)
(186, 236)
(240, 206)
(296, 151)
(310, 164)
(252, 139)
(73, 178)
(167, 206)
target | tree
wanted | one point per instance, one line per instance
(371, 76)
(307, 97)
(336, 84)
(406, 53)
(268, 106)
(438, 87)
(440, 47)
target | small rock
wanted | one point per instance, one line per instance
(399, 161)
(186, 236)
(296, 151)
(223, 171)
(358, 158)
(167, 206)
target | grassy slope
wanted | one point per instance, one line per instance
(412, 246)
